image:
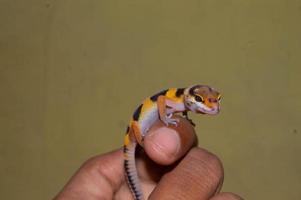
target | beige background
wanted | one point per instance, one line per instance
(72, 72)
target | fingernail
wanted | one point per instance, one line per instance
(166, 141)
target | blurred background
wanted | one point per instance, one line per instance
(72, 72)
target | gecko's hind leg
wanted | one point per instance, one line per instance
(138, 135)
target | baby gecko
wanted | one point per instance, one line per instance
(197, 98)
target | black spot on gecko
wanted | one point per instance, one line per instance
(137, 194)
(191, 91)
(131, 182)
(137, 113)
(179, 92)
(155, 97)
(125, 149)
(127, 129)
(126, 163)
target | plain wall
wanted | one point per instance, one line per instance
(72, 72)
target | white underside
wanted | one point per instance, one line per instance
(148, 119)
(152, 115)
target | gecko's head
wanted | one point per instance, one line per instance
(202, 99)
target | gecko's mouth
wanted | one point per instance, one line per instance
(201, 112)
(212, 111)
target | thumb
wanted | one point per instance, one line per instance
(165, 145)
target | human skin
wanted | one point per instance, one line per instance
(174, 168)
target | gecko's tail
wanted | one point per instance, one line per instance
(131, 171)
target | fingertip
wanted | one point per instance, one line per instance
(165, 145)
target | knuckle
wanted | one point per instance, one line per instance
(90, 163)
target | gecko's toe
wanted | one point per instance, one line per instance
(171, 121)
(191, 122)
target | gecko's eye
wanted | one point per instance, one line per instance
(219, 97)
(199, 99)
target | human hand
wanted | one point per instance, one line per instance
(180, 171)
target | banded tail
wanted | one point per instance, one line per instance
(131, 171)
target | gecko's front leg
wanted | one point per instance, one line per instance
(185, 114)
(166, 119)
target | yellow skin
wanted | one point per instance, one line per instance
(198, 99)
